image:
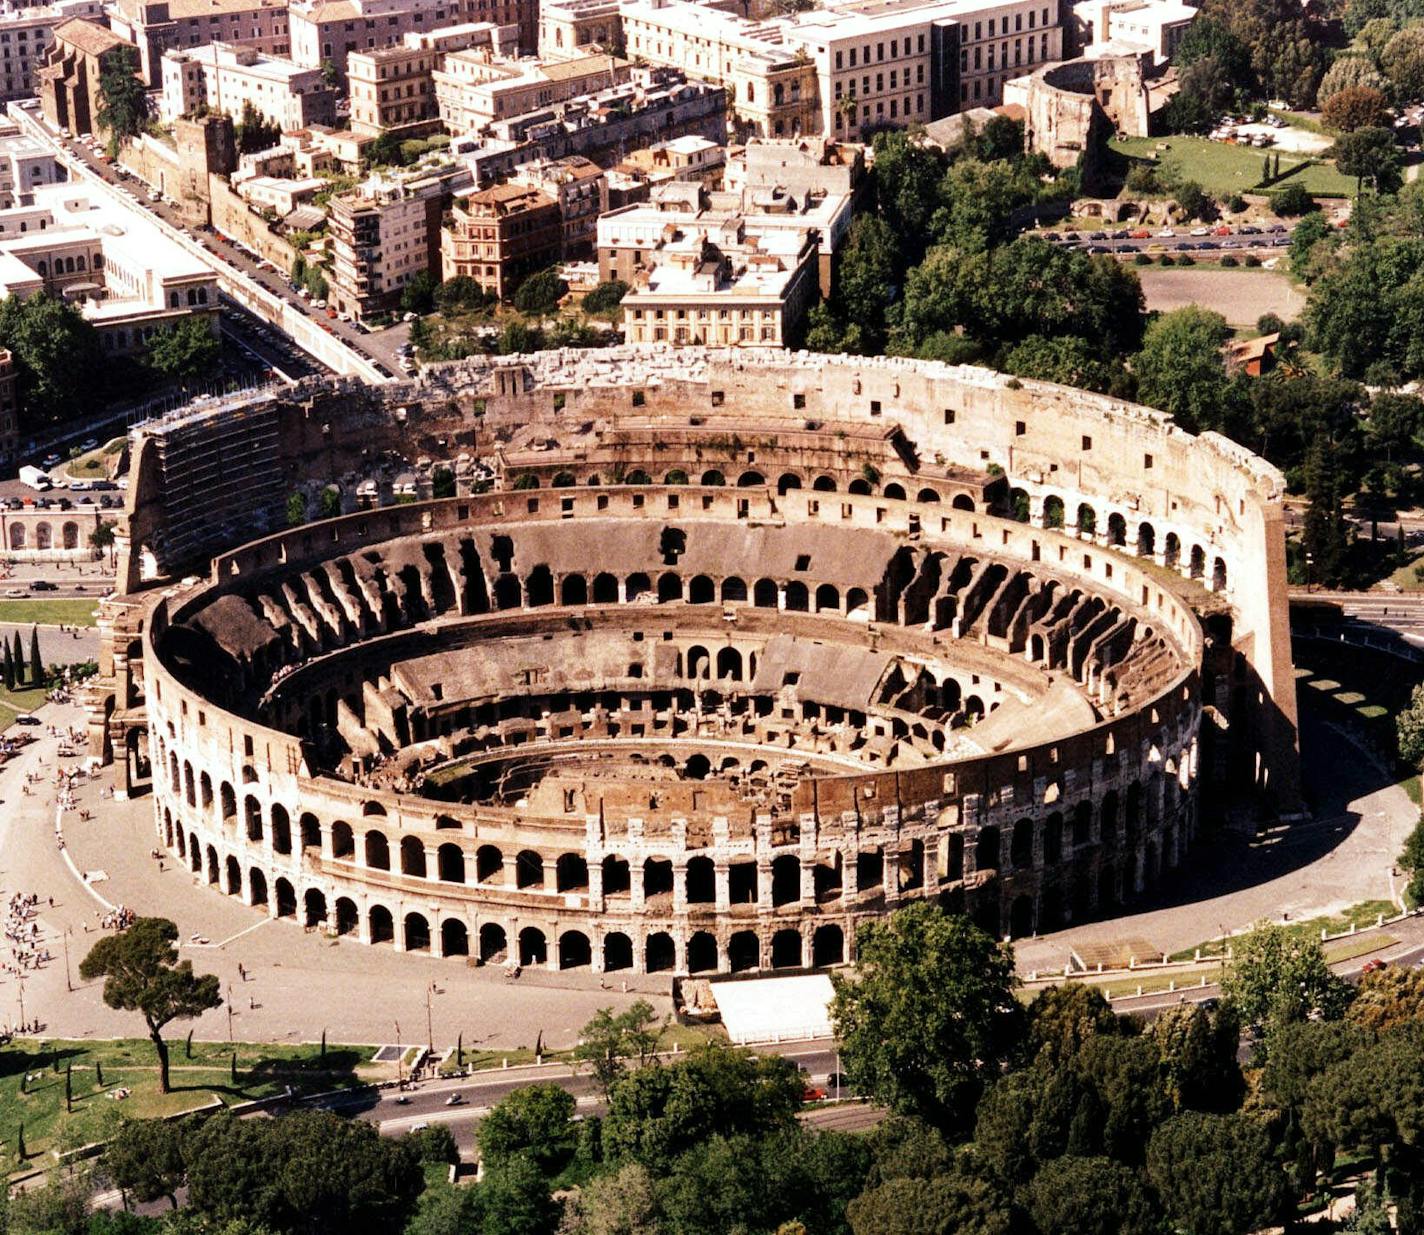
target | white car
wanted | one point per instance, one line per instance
(1166, 231)
(1201, 231)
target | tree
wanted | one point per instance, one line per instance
(57, 357)
(1355, 107)
(296, 509)
(142, 973)
(461, 293)
(540, 293)
(606, 297)
(929, 1017)
(947, 1205)
(145, 1160)
(330, 74)
(1216, 1174)
(1276, 976)
(123, 103)
(514, 1200)
(1292, 200)
(1198, 1048)
(254, 131)
(1370, 154)
(37, 673)
(655, 1114)
(1326, 533)
(1411, 860)
(1062, 1018)
(102, 537)
(1402, 61)
(623, 1202)
(1179, 368)
(442, 483)
(418, 295)
(1389, 998)
(1090, 1196)
(1066, 359)
(9, 667)
(608, 1040)
(536, 1121)
(185, 350)
(330, 502)
(1350, 73)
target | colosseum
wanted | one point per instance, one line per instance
(709, 658)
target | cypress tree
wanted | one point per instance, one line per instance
(18, 653)
(36, 664)
(99, 1072)
(9, 668)
(21, 1147)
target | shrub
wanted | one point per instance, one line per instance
(1186, 260)
(605, 297)
(1250, 261)
(1236, 203)
(1292, 200)
(540, 293)
(1142, 259)
(1168, 260)
(1228, 260)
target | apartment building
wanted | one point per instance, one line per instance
(682, 158)
(328, 31)
(123, 273)
(156, 26)
(226, 78)
(391, 88)
(501, 235)
(385, 232)
(474, 90)
(26, 163)
(1127, 26)
(9, 412)
(69, 78)
(724, 285)
(850, 67)
(580, 190)
(25, 36)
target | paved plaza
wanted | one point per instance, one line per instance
(302, 983)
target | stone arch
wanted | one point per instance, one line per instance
(1021, 845)
(571, 873)
(417, 932)
(450, 862)
(1146, 539)
(212, 865)
(311, 831)
(713, 477)
(636, 585)
(828, 598)
(234, 876)
(669, 587)
(1053, 512)
(573, 590)
(44, 536)
(734, 590)
(1087, 521)
(378, 851)
(412, 857)
(986, 849)
(348, 917)
(700, 881)
(657, 877)
(539, 586)
(575, 951)
(605, 589)
(228, 799)
(1218, 574)
(798, 597)
(824, 484)
(1196, 567)
(786, 949)
(857, 603)
(659, 952)
(494, 943)
(927, 496)
(205, 791)
(454, 938)
(859, 486)
(786, 880)
(828, 946)
(895, 491)
(1021, 917)
(533, 948)
(701, 591)
(1117, 530)
(314, 907)
(281, 829)
(253, 809)
(343, 840)
(743, 951)
(617, 878)
(699, 663)
(256, 886)
(750, 479)
(702, 953)
(381, 924)
(286, 898)
(17, 535)
(787, 482)
(765, 594)
(528, 870)
(617, 952)
(1172, 551)
(729, 665)
(489, 864)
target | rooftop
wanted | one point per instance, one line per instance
(90, 37)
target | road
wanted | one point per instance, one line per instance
(1264, 242)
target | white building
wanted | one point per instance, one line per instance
(223, 77)
(1126, 26)
(125, 275)
(26, 163)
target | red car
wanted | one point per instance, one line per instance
(1223, 230)
(813, 1093)
(1140, 233)
(1374, 966)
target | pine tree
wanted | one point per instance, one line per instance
(9, 667)
(20, 1148)
(36, 664)
(99, 1073)
(1266, 169)
(1326, 534)
(18, 655)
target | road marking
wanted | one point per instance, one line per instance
(222, 943)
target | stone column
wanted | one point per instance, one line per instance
(679, 887)
(595, 885)
(722, 881)
(551, 874)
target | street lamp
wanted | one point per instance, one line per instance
(400, 1080)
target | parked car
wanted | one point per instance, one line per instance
(43, 585)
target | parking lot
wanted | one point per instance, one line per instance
(1241, 238)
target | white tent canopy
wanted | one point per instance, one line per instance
(775, 1009)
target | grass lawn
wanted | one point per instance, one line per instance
(1362, 915)
(262, 1070)
(95, 464)
(1223, 169)
(15, 702)
(49, 612)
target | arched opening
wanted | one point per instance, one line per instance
(1021, 845)
(734, 590)
(194, 855)
(787, 482)
(986, 849)
(539, 587)
(828, 599)
(729, 665)
(1087, 519)
(575, 951)
(1021, 917)
(382, 925)
(697, 767)
(701, 881)
(412, 857)
(637, 584)
(348, 918)
(1218, 575)
(314, 903)
(617, 952)
(417, 933)
(343, 841)
(657, 877)
(713, 477)
(213, 876)
(450, 860)
(281, 829)
(669, 588)
(786, 880)
(571, 873)
(828, 945)
(927, 495)
(1053, 511)
(659, 954)
(859, 486)
(824, 484)
(378, 851)
(311, 831)
(702, 953)
(256, 887)
(786, 949)
(742, 883)
(895, 491)
(750, 480)
(857, 603)
(1197, 563)
(234, 876)
(494, 943)
(229, 801)
(454, 938)
(605, 589)
(528, 870)
(701, 591)
(798, 597)
(616, 878)
(1171, 551)
(1117, 530)
(743, 952)
(1018, 505)
(1146, 540)
(764, 594)
(573, 590)
(286, 899)
(489, 865)
(533, 950)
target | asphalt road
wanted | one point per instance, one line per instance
(1174, 240)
